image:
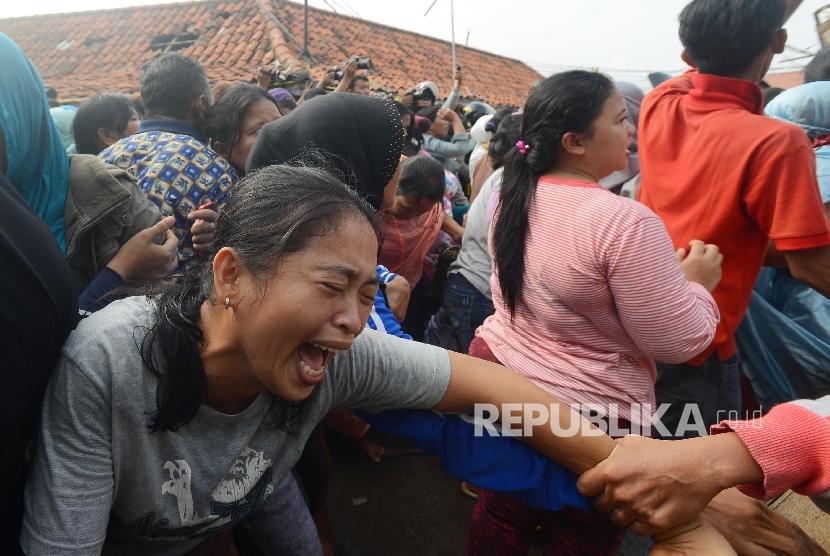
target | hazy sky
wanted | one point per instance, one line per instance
(613, 35)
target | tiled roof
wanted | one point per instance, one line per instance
(83, 53)
(785, 80)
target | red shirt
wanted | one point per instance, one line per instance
(716, 169)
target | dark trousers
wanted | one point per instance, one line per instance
(466, 307)
(713, 389)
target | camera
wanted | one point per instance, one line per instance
(362, 64)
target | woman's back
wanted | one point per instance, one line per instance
(602, 297)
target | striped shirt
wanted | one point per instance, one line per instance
(603, 297)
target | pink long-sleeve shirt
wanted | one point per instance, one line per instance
(603, 297)
(791, 445)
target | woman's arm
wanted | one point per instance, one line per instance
(787, 448)
(474, 381)
(455, 94)
(669, 318)
(569, 438)
(453, 228)
(70, 488)
(459, 146)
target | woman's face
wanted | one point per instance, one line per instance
(261, 112)
(407, 208)
(313, 308)
(108, 135)
(439, 128)
(607, 151)
(406, 120)
(132, 125)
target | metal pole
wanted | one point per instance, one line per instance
(305, 53)
(452, 22)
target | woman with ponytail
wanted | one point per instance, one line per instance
(588, 292)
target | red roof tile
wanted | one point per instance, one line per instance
(84, 53)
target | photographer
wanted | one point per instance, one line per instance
(446, 152)
(351, 82)
(426, 93)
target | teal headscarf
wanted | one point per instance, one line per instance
(38, 167)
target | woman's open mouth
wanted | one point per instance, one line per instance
(313, 358)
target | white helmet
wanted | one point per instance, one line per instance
(428, 85)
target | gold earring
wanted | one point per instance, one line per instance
(227, 303)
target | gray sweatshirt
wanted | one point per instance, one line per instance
(101, 482)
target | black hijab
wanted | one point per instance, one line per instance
(360, 138)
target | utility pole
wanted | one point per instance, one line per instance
(305, 53)
(452, 22)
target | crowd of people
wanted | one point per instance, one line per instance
(199, 281)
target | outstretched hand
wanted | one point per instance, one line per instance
(651, 485)
(203, 227)
(141, 259)
(753, 529)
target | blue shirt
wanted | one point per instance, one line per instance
(177, 171)
(382, 318)
(501, 464)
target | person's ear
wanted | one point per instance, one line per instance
(219, 147)
(684, 55)
(204, 103)
(779, 41)
(228, 275)
(107, 136)
(574, 143)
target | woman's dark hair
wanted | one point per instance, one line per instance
(422, 177)
(315, 92)
(504, 139)
(567, 102)
(286, 104)
(498, 117)
(223, 122)
(414, 137)
(138, 106)
(819, 67)
(107, 110)
(403, 109)
(273, 212)
(430, 113)
(770, 93)
(420, 124)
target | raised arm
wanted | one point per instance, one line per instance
(455, 94)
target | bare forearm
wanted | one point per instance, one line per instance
(819, 281)
(731, 460)
(579, 445)
(343, 86)
(453, 228)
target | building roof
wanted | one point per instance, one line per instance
(84, 53)
(785, 80)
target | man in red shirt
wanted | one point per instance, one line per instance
(715, 168)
